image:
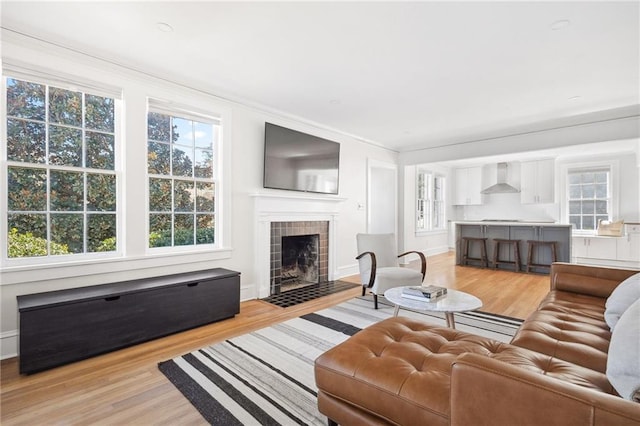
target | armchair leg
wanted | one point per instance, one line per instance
(364, 289)
(375, 301)
(331, 422)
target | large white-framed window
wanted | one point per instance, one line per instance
(183, 175)
(590, 193)
(430, 201)
(60, 171)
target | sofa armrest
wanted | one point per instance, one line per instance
(485, 391)
(596, 281)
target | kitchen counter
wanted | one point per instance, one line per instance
(523, 231)
(511, 223)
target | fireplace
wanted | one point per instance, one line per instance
(299, 254)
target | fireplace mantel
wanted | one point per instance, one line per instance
(278, 207)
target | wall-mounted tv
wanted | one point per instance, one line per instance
(297, 161)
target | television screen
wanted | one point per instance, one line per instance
(299, 162)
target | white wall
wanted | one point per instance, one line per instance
(244, 127)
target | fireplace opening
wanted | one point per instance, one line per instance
(300, 261)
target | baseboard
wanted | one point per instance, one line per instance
(8, 344)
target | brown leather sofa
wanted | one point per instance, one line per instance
(405, 372)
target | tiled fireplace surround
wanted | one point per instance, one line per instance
(293, 228)
(303, 214)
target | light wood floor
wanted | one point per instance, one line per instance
(126, 387)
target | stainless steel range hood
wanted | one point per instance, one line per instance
(501, 187)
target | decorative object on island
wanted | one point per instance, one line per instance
(379, 266)
(63, 326)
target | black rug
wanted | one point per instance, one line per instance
(310, 292)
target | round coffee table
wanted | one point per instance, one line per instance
(455, 301)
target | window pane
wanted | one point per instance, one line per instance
(65, 107)
(27, 235)
(588, 222)
(601, 177)
(159, 195)
(574, 178)
(588, 207)
(25, 100)
(100, 151)
(183, 196)
(600, 190)
(182, 161)
(101, 232)
(67, 191)
(204, 163)
(183, 131)
(205, 194)
(68, 229)
(575, 192)
(203, 134)
(588, 177)
(575, 221)
(159, 127)
(27, 189)
(575, 207)
(205, 229)
(26, 141)
(101, 192)
(602, 207)
(588, 191)
(159, 230)
(65, 146)
(183, 229)
(159, 158)
(100, 113)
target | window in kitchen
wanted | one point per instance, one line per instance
(430, 201)
(589, 197)
(181, 167)
(61, 171)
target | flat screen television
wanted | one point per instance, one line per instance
(297, 161)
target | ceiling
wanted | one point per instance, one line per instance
(401, 75)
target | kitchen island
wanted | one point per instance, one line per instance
(516, 230)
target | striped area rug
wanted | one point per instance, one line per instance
(266, 377)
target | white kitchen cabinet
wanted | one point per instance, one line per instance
(628, 246)
(468, 184)
(586, 249)
(536, 181)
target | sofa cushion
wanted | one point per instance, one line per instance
(623, 366)
(400, 369)
(621, 298)
(570, 327)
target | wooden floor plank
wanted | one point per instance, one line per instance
(126, 387)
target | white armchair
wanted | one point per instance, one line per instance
(380, 269)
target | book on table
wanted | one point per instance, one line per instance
(426, 293)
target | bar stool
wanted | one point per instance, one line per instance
(533, 245)
(466, 241)
(511, 244)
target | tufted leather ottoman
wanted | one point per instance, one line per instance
(398, 371)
